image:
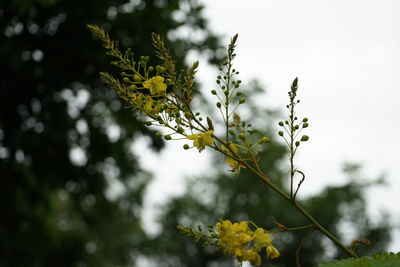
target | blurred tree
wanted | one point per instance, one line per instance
(71, 189)
(342, 209)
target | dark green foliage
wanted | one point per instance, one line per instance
(56, 211)
(378, 260)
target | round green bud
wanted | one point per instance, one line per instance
(280, 133)
(160, 69)
(305, 124)
(213, 92)
(242, 136)
(304, 138)
(188, 115)
(151, 68)
(219, 77)
(200, 118)
(126, 79)
(305, 119)
(296, 127)
(132, 87)
(180, 130)
(197, 113)
(226, 92)
(137, 78)
(239, 93)
(231, 132)
(186, 146)
(297, 143)
(167, 137)
(158, 134)
(148, 123)
(242, 100)
(219, 104)
(281, 123)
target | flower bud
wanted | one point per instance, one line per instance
(180, 130)
(305, 119)
(186, 146)
(132, 87)
(242, 100)
(242, 136)
(281, 123)
(305, 124)
(125, 79)
(151, 68)
(136, 78)
(219, 104)
(297, 143)
(280, 133)
(167, 137)
(304, 138)
(213, 92)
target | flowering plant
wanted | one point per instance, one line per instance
(162, 98)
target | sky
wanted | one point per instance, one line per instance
(346, 55)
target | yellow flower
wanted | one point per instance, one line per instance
(234, 164)
(272, 252)
(201, 140)
(156, 85)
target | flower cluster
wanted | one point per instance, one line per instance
(244, 244)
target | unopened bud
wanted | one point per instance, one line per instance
(219, 104)
(136, 78)
(213, 92)
(186, 146)
(167, 137)
(242, 136)
(242, 100)
(280, 133)
(297, 143)
(304, 138)
(126, 79)
(305, 124)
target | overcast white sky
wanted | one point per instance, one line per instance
(346, 55)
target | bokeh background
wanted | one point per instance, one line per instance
(83, 183)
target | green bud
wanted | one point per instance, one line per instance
(126, 79)
(304, 138)
(158, 134)
(137, 78)
(148, 123)
(186, 146)
(239, 93)
(213, 92)
(151, 68)
(296, 127)
(167, 137)
(242, 100)
(281, 123)
(226, 92)
(305, 119)
(180, 130)
(305, 124)
(132, 87)
(242, 136)
(280, 133)
(188, 115)
(297, 143)
(219, 104)
(209, 123)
